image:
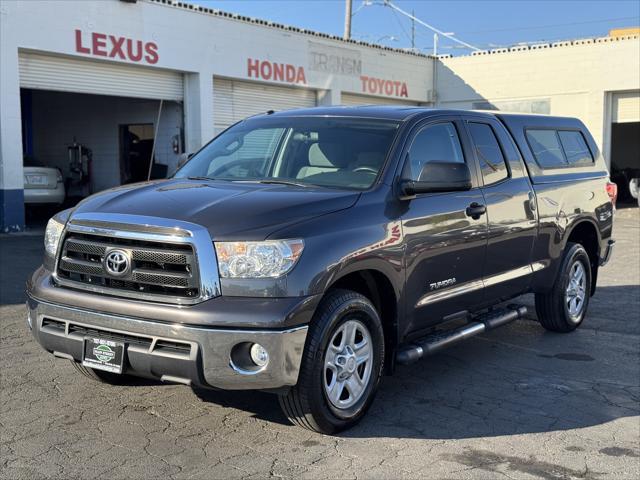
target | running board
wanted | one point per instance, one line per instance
(435, 342)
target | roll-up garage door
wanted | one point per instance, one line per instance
(234, 100)
(355, 99)
(626, 107)
(47, 72)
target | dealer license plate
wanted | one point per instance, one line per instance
(103, 354)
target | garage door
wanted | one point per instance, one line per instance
(626, 107)
(355, 99)
(46, 72)
(234, 100)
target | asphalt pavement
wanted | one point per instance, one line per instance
(517, 402)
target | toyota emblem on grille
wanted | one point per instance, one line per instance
(116, 263)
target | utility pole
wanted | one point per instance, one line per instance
(347, 19)
(435, 44)
(413, 31)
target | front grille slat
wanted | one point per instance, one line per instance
(158, 269)
(162, 257)
(81, 266)
(174, 280)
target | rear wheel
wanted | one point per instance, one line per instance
(99, 375)
(341, 366)
(564, 307)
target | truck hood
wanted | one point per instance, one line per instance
(229, 210)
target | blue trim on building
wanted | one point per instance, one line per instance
(11, 210)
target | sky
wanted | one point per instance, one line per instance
(483, 24)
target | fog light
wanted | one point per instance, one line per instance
(259, 355)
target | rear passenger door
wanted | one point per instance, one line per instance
(445, 246)
(511, 209)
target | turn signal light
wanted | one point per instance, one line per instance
(612, 191)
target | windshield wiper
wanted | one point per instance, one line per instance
(214, 179)
(276, 181)
(199, 178)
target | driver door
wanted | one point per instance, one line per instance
(445, 247)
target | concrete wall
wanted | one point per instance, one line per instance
(59, 117)
(572, 80)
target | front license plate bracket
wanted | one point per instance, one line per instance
(103, 354)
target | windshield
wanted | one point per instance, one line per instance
(330, 152)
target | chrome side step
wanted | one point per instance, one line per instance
(435, 342)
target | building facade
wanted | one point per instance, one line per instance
(107, 78)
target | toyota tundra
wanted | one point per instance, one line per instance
(309, 252)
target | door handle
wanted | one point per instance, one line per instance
(475, 210)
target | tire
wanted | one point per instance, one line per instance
(322, 400)
(99, 375)
(563, 308)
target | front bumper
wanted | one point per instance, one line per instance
(202, 356)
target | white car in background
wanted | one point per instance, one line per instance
(43, 185)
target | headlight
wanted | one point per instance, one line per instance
(268, 259)
(53, 233)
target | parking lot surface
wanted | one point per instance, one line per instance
(518, 402)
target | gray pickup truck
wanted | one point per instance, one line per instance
(309, 252)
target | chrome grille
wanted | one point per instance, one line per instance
(158, 269)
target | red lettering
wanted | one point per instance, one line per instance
(290, 73)
(266, 70)
(388, 87)
(253, 68)
(301, 78)
(278, 72)
(79, 47)
(281, 72)
(384, 87)
(364, 79)
(98, 44)
(372, 85)
(137, 56)
(116, 47)
(152, 52)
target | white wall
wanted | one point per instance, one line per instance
(94, 120)
(574, 79)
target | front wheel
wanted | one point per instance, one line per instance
(341, 366)
(564, 307)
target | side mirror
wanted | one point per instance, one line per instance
(438, 176)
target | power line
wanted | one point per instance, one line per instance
(395, 15)
(388, 3)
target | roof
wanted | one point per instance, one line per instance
(545, 46)
(388, 112)
(401, 113)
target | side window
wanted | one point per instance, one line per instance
(575, 148)
(492, 163)
(546, 148)
(437, 142)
